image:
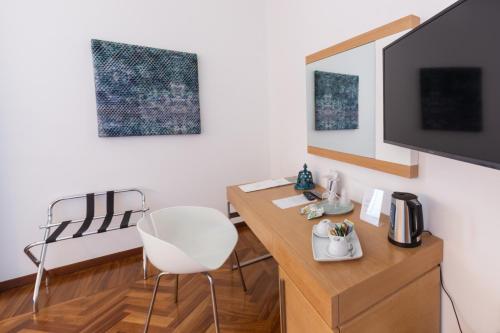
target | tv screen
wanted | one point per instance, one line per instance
(442, 85)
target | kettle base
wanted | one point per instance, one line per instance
(407, 245)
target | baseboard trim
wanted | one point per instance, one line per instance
(78, 266)
(71, 268)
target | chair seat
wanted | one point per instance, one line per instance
(188, 239)
(210, 247)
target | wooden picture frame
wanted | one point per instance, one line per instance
(402, 24)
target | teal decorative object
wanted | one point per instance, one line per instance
(304, 180)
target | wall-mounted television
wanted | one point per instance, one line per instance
(442, 85)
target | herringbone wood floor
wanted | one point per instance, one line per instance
(114, 298)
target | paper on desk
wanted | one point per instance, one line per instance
(262, 185)
(296, 200)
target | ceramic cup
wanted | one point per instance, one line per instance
(323, 227)
(339, 246)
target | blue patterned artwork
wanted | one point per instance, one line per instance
(145, 91)
(336, 101)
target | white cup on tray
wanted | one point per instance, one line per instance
(340, 245)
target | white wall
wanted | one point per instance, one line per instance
(460, 200)
(48, 128)
(48, 131)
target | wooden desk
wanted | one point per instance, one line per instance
(390, 289)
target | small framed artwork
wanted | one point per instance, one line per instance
(336, 101)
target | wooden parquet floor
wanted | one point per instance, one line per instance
(113, 297)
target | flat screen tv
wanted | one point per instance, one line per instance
(442, 85)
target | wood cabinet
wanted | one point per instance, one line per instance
(406, 311)
(389, 289)
(296, 313)
(414, 308)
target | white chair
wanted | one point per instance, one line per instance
(185, 240)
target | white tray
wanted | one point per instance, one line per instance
(320, 248)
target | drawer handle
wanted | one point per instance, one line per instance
(281, 289)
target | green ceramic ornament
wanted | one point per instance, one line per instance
(304, 180)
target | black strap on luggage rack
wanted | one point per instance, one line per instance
(55, 235)
(110, 210)
(89, 217)
(126, 219)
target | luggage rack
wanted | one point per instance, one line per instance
(54, 236)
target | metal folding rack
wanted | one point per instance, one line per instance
(52, 237)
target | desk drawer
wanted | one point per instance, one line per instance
(414, 308)
(289, 262)
(297, 315)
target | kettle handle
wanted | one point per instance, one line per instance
(417, 217)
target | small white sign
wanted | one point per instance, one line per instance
(372, 206)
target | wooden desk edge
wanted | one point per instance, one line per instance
(309, 286)
(340, 310)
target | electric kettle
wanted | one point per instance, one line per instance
(407, 221)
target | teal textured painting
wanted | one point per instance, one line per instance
(336, 101)
(145, 91)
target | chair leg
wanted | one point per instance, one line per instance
(214, 302)
(144, 263)
(155, 290)
(239, 270)
(176, 288)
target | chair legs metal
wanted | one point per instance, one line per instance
(144, 263)
(155, 290)
(176, 299)
(239, 270)
(214, 302)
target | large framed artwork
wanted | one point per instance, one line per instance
(145, 91)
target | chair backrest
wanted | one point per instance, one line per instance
(168, 233)
(163, 255)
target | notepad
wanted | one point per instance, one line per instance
(293, 201)
(262, 185)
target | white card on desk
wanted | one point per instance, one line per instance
(372, 206)
(296, 200)
(262, 185)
